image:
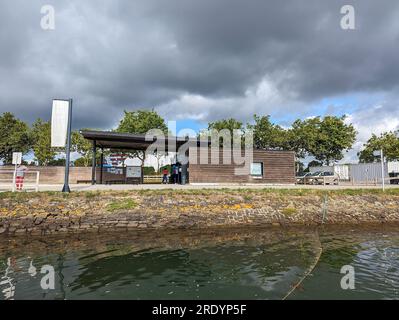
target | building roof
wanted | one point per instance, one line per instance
(128, 141)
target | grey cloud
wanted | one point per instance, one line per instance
(132, 54)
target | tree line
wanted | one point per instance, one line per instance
(18, 136)
(326, 139)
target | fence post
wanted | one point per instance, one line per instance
(13, 181)
(37, 181)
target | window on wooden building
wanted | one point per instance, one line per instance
(257, 169)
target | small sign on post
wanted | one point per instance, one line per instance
(17, 158)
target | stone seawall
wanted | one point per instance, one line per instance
(52, 213)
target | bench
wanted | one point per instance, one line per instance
(83, 181)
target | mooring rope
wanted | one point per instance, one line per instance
(309, 270)
(325, 209)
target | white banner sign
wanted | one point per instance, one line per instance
(59, 123)
(17, 158)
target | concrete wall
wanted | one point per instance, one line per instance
(52, 215)
(54, 175)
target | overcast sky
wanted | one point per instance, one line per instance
(201, 60)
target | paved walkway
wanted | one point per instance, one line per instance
(82, 187)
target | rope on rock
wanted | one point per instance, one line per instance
(309, 270)
(325, 209)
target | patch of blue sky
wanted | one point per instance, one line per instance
(335, 106)
(184, 126)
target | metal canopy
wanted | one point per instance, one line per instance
(128, 141)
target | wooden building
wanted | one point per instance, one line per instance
(266, 166)
(206, 166)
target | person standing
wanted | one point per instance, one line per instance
(172, 173)
(179, 173)
(175, 172)
(165, 173)
(20, 176)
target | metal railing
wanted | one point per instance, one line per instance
(8, 180)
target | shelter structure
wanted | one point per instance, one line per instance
(204, 165)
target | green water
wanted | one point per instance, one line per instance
(213, 264)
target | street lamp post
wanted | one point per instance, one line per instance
(61, 130)
(382, 170)
(381, 154)
(68, 150)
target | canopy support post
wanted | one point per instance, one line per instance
(93, 164)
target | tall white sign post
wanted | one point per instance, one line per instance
(16, 160)
(381, 154)
(61, 126)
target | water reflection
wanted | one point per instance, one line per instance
(7, 282)
(213, 264)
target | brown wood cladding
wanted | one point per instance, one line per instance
(278, 167)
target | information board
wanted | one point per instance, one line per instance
(133, 172)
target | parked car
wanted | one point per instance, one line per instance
(301, 179)
(324, 178)
(310, 179)
(394, 175)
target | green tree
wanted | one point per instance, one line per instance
(224, 124)
(82, 146)
(313, 163)
(230, 124)
(14, 137)
(387, 141)
(302, 136)
(57, 162)
(325, 139)
(268, 135)
(41, 134)
(300, 167)
(148, 171)
(80, 162)
(141, 122)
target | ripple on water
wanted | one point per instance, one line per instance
(255, 264)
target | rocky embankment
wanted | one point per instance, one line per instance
(52, 213)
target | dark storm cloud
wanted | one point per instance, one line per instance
(190, 58)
